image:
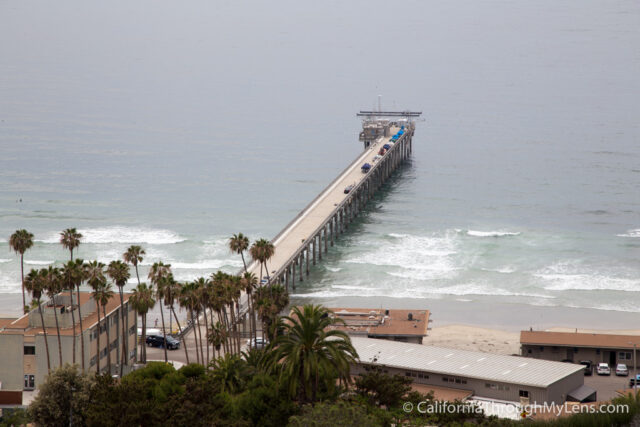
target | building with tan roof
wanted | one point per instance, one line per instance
(577, 346)
(390, 324)
(22, 340)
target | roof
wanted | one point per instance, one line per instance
(582, 393)
(20, 326)
(579, 339)
(463, 363)
(376, 323)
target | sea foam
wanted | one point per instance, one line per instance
(630, 233)
(120, 234)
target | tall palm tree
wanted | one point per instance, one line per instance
(142, 301)
(70, 239)
(269, 303)
(72, 275)
(230, 372)
(102, 294)
(35, 284)
(238, 243)
(171, 294)
(308, 352)
(217, 335)
(133, 256)
(203, 296)
(94, 276)
(189, 299)
(262, 250)
(250, 282)
(20, 241)
(119, 273)
(157, 276)
(53, 286)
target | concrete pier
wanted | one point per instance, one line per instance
(300, 243)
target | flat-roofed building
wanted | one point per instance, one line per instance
(389, 324)
(577, 346)
(486, 375)
(22, 340)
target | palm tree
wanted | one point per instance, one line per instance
(53, 286)
(142, 301)
(70, 239)
(269, 303)
(72, 275)
(20, 241)
(35, 284)
(238, 244)
(308, 352)
(102, 293)
(229, 372)
(94, 275)
(119, 273)
(250, 282)
(203, 296)
(171, 293)
(189, 299)
(262, 250)
(133, 256)
(157, 276)
(217, 335)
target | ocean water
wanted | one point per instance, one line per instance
(174, 126)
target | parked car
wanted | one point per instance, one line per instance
(258, 343)
(348, 188)
(603, 369)
(158, 341)
(386, 146)
(382, 151)
(588, 366)
(622, 370)
(366, 167)
(634, 381)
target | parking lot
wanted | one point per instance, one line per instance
(607, 385)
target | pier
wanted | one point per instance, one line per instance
(314, 230)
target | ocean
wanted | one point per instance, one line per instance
(174, 126)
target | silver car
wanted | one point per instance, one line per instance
(603, 369)
(622, 370)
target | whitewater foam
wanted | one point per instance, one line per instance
(475, 233)
(630, 233)
(121, 234)
(38, 262)
(3, 260)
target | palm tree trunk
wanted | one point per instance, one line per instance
(137, 275)
(184, 342)
(143, 344)
(235, 330)
(81, 329)
(55, 315)
(71, 250)
(125, 353)
(24, 300)
(195, 336)
(164, 332)
(98, 353)
(104, 312)
(73, 323)
(200, 334)
(206, 328)
(46, 340)
(243, 262)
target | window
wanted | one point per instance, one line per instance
(529, 351)
(29, 349)
(132, 330)
(29, 382)
(523, 393)
(103, 353)
(541, 349)
(93, 361)
(624, 355)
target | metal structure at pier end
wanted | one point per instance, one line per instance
(388, 142)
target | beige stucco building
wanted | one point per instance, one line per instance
(23, 352)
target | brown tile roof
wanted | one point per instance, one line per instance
(374, 322)
(20, 326)
(579, 339)
(5, 321)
